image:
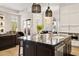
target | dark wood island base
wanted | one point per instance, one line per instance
(33, 48)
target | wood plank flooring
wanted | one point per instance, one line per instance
(75, 51)
(10, 52)
(14, 51)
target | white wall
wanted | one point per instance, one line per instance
(9, 16)
(24, 16)
(28, 14)
(11, 11)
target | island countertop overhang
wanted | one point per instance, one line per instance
(55, 39)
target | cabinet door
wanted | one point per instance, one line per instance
(64, 18)
(29, 48)
(64, 28)
(11, 40)
(67, 48)
(3, 42)
(69, 15)
(7, 41)
(74, 28)
(44, 50)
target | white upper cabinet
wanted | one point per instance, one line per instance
(74, 29)
(64, 29)
(64, 18)
(69, 16)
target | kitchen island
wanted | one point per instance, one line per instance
(56, 45)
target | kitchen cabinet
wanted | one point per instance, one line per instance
(64, 28)
(67, 48)
(7, 41)
(32, 48)
(74, 29)
(36, 49)
(44, 50)
(69, 15)
(39, 49)
(29, 48)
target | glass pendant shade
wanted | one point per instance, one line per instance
(36, 8)
(48, 12)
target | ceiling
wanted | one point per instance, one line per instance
(22, 6)
(14, 6)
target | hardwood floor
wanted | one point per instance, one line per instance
(75, 51)
(10, 52)
(14, 51)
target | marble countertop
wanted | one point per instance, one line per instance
(7, 34)
(69, 32)
(46, 38)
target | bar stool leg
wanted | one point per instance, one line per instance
(20, 48)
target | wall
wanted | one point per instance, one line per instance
(10, 15)
(11, 11)
(27, 13)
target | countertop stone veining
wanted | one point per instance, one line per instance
(52, 40)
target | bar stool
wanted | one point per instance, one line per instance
(19, 34)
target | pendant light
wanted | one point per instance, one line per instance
(36, 8)
(48, 12)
